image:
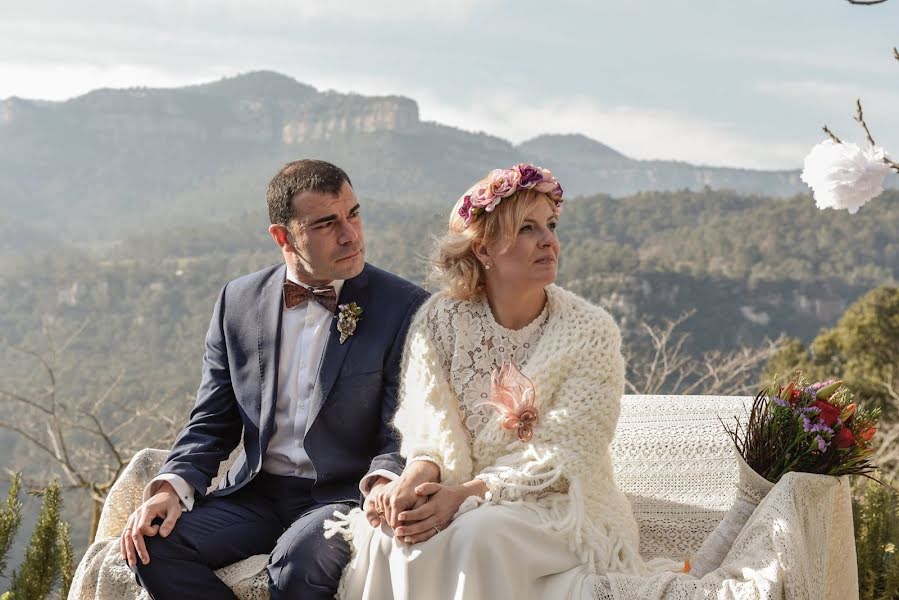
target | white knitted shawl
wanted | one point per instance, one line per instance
(578, 372)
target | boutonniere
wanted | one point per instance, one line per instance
(348, 315)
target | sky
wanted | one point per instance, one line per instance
(715, 82)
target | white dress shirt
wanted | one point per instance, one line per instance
(304, 334)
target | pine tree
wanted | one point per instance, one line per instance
(10, 518)
(67, 559)
(35, 578)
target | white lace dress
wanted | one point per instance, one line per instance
(519, 543)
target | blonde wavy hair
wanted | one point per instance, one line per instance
(454, 266)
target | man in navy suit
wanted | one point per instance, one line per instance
(305, 385)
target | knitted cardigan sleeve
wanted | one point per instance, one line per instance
(570, 447)
(428, 417)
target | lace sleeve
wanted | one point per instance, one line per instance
(428, 415)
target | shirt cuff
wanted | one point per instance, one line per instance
(369, 480)
(182, 488)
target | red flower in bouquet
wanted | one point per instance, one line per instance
(844, 438)
(830, 414)
(867, 434)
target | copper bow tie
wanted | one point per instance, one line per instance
(295, 294)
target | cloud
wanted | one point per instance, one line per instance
(357, 10)
(852, 60)
(836, 104)
(64, 81)
(829, 94)
(275, 12)
(637, 131)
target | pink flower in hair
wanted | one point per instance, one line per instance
(482, 197)
(513, 396)
(504, 182)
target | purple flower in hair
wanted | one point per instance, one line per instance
(530, 176)
(556, 194)
(465, 209)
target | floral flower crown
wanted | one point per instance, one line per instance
(502, 183)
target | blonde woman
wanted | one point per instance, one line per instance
(509, 399)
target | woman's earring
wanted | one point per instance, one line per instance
(487, 265)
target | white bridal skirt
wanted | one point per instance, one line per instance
(492, 552)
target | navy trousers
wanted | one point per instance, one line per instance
(272, 515)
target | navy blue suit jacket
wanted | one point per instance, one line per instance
(349, 432)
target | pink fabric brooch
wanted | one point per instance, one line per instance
(513, 395)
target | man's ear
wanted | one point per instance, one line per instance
(280, 234)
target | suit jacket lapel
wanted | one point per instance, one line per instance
(354, 290)
(269, 309)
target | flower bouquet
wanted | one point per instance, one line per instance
(797, 427)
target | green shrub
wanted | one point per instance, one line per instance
(49, 559)
(876, 521)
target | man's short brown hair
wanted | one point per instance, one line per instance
(301, 176)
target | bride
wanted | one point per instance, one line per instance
(509, 400)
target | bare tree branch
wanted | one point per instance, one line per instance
(832, 136)
(669, 369)
(31, 438)
(26, 401)
(890, 388)
(105, 396)
(50, 425)
(106, 439)
(860, 118)
(866, 2)
(74, 335)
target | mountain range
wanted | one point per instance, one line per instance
(112, 163)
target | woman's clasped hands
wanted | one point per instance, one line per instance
(415, 506)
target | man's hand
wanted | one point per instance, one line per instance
(375, 500)
(387, 500)
(165, 505)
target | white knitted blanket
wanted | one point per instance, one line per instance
(676, 466)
